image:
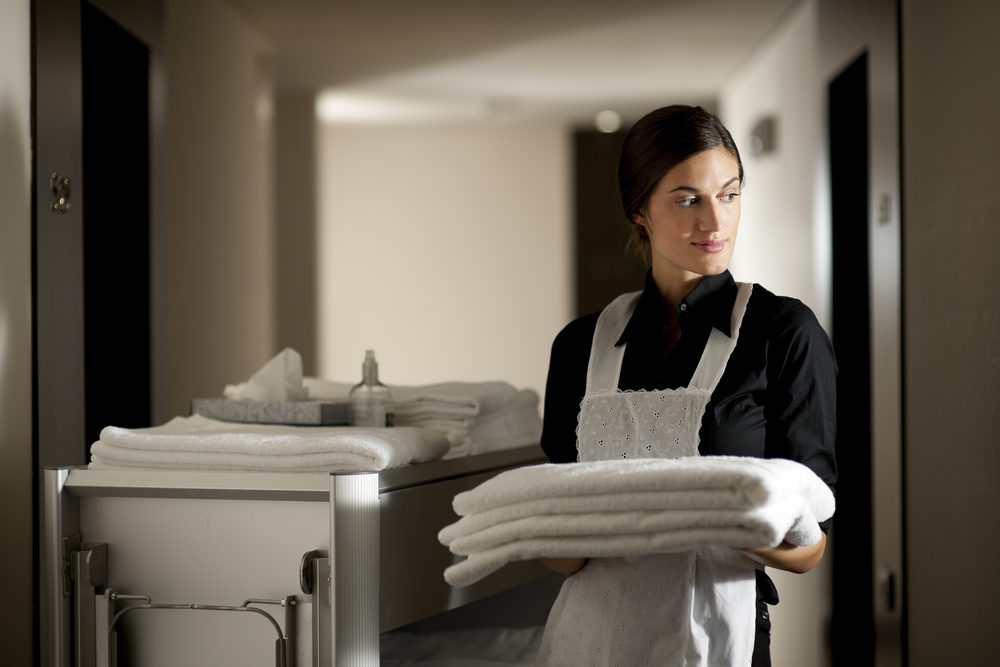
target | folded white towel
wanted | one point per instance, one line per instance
(631, 508)
(637, 501)
(200, 443)
(743, 481)
(445, 399)
(483, 563)
(520, 422)
(768, 525)
(476, 417)
(517, 425)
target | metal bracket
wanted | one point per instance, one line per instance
(70, 545)
(88, 570)
(61, 189)
(307, 569)
(314, 577)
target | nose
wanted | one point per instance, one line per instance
(712, 217)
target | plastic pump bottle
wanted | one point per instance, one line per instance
(371, 401)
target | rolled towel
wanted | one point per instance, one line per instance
(199, 443)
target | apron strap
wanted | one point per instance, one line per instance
(719, 347)
(605, 363)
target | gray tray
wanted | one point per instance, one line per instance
(297, 413)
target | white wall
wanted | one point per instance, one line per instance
(781, 242)
(15, 331)
(213, 274)
(781, 245)
(446, 250)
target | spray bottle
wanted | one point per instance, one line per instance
(371, 401)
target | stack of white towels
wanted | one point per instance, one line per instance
(431, 422)
(475, 417)
(633, 507)
(200, 443)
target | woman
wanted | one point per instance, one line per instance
(761, 367)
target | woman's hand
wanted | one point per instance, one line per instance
(565, 566)
(789, 557)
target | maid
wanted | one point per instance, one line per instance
(711, 367)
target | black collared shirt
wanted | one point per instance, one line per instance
(776, 398)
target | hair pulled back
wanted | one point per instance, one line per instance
(657, 143)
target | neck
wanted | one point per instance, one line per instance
(674, 286)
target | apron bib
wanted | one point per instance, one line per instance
(686, 608)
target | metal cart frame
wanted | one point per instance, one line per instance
(326, 561)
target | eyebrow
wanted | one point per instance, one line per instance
(689, 188)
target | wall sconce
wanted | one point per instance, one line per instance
(608, 121)
(763, 136)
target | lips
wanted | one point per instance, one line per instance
(711, 246)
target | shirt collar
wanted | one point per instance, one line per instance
(709, 303)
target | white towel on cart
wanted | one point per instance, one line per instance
(632, 508)
(476, 417)
(200, 443)
(456, 399)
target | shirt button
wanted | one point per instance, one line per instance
(684, 307)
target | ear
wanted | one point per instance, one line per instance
(640, 220)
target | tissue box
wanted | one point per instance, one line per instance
(296, 413)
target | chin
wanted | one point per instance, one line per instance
(714, 269)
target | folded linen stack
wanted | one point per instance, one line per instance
(633, 507)
(200, 443)
(476, 417)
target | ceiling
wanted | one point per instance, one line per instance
(452, 60)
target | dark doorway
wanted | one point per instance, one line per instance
(853, 616)
(604, 268)
(116, 225)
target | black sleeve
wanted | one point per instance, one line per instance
(802, 381)
(565, 387)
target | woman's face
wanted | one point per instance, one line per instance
(691, 218)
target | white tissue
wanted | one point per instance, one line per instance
(279, 380)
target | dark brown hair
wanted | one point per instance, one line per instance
(657, 143)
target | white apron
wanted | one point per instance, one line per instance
(682, 608)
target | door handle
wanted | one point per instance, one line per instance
(887, 587)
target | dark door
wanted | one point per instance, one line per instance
(116, 268)
(853, 620)
(604, 268)
(57, 228)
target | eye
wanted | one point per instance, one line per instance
(729, 196)
(688, 201)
